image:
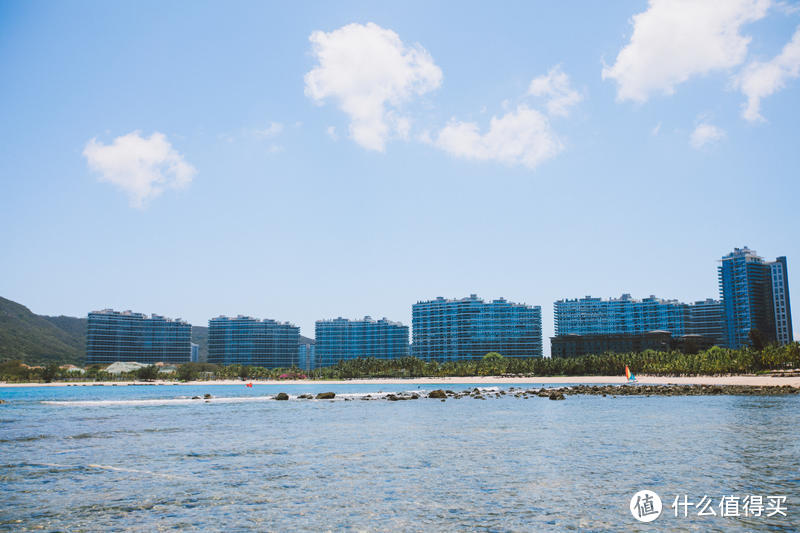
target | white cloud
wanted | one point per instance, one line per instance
(274, 129)
(522, 136)
(556, 88)
(331, 131)
(142, 167)
(705, 134)
(759, 80)
(370, 72)
(677, 39)
(656, 130)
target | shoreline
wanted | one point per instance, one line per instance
(751, 380)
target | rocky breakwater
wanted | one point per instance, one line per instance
(554, 393)
(677, 390)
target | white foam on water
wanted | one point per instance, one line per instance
(158, 401)
(184, 400)
(109, 467)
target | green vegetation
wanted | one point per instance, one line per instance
(714, 361)
(37, 339)
(200, 337)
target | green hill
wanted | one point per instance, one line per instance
(31, 338)
(200, 336)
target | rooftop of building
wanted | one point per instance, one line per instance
(366, 320)
(245, 318)
(471, 298)
(131, 314)
(624, 298)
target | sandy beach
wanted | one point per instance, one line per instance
(752, 380)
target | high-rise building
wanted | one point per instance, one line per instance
(755, 298)
(469, 328)
(134, 337)
(594, 325)
(706, 318)
(782, 311)
(195, 353)
(248, 341)
(623, 315)
(306, 354)
(341, 339)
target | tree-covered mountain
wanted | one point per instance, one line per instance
(34, 339)
(200, 336)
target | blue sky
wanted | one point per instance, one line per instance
(301, 162)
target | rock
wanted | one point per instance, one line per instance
(415, 396)
(392, 397)
(195, 397)
(281, 396)
(449, 392)
(326, 396)
(438, 393)
(2, 401)
(207, 396)
(305, 397)
(557, 396)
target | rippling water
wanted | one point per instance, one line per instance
(149, 458)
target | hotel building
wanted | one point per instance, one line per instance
(340, 339)
(134, 337)
(594, 325)
(469, 328)
(249, 341)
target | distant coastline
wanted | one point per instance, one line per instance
(751, 380)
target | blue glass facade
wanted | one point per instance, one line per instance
(782, 310)
(340, 339)
(755, 296)
(624, 315)
(706, 318)
(133, 337)
(248, 341)
(306, 356)
(469, 328)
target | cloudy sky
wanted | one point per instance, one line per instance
(300, 162)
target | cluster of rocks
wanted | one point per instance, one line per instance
(561, 393)
(206, 396)
(558, 393)
(689, 390)
(479, 394)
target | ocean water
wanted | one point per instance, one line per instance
(148, 458)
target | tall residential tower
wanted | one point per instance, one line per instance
(755, 298)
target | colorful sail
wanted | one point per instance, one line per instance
(629, 374)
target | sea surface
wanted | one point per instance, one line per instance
(149, 458)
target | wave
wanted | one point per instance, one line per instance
(184, 400)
